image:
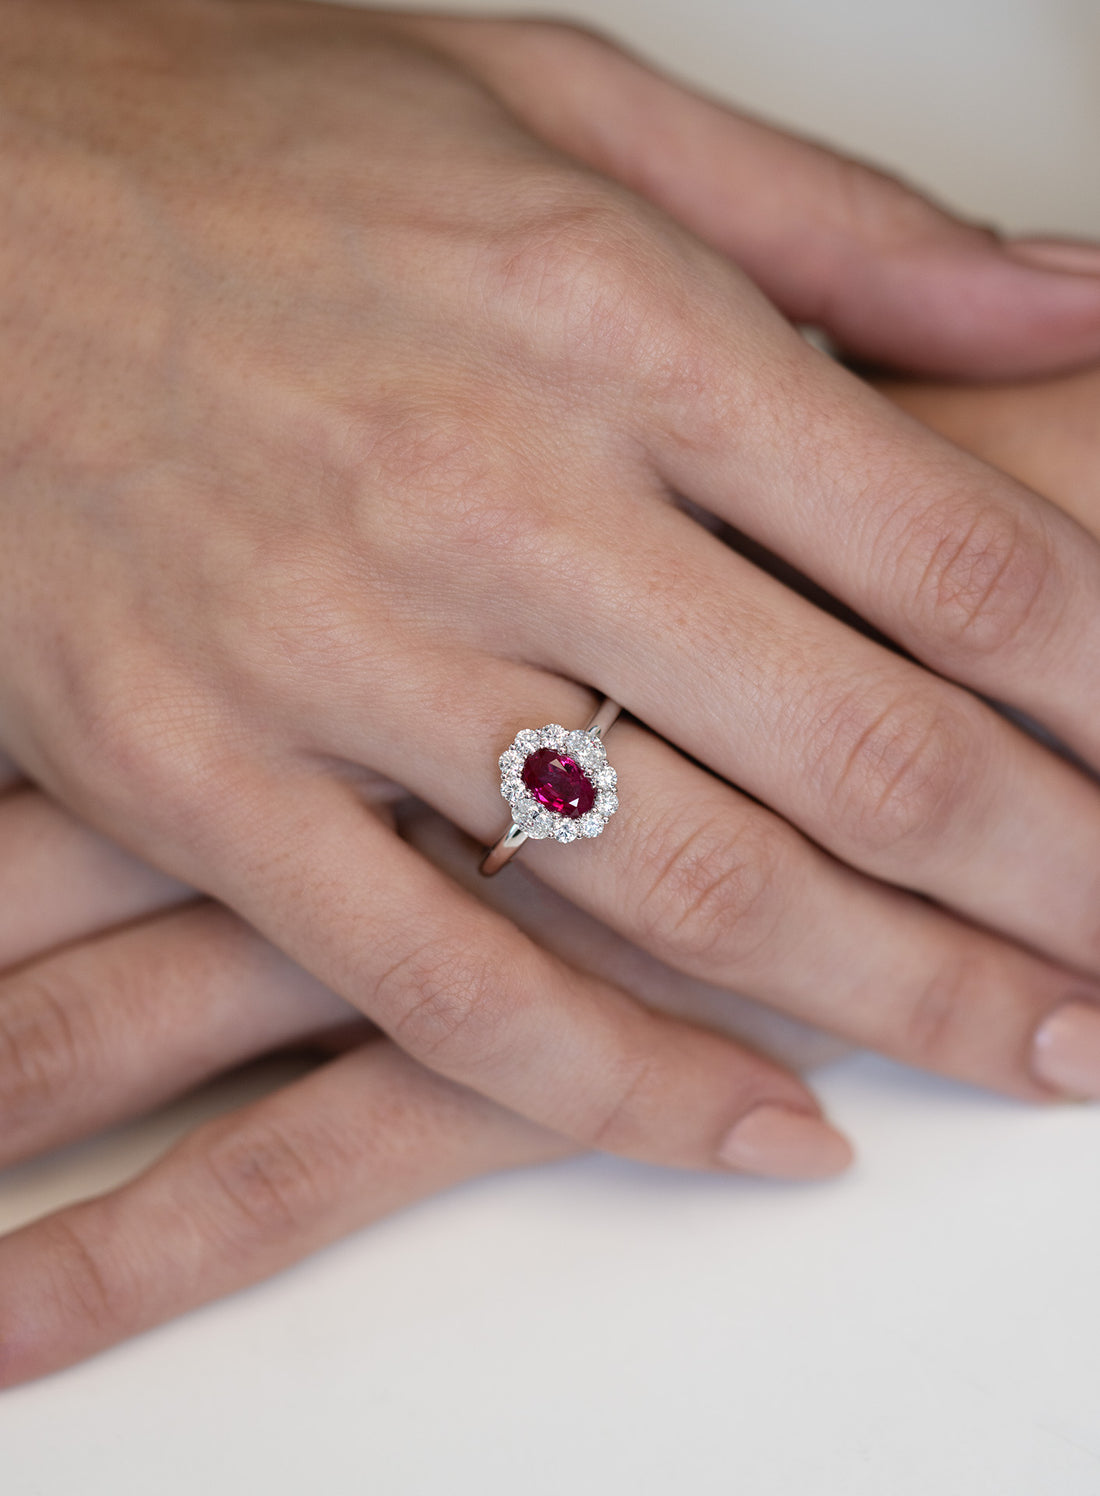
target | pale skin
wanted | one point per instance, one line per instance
(353, 364)
(95, 1030)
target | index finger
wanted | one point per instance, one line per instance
(970, 571)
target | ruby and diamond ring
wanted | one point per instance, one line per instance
(558, 784)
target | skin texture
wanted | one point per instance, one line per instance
(93, 1031)
(309, 449)
(96, 1031)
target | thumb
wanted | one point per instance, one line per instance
(892, 277)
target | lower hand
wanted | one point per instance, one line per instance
(121, 989)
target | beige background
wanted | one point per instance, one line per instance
(928, 1327)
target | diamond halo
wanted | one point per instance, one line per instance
(537, 819)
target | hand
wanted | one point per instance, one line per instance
(1045, 432)
(340, 420)
(97, 1023)
(119, 990)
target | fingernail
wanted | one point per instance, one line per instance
(785, 1144)
(1069, 256)
(1065, 1053)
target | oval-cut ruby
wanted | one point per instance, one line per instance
(559, 783)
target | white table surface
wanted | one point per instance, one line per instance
(930, 1326)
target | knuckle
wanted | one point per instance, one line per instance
(619, 1121)
(895, 771)
(586, 271)
(934, 1024)
(874, 206)
(979, 576)
(446, 1005)
(162, 755)
(148, 743)
(45, 1039)
(85, 1279)
(570, 33)
(267, 1185)
(712, 897)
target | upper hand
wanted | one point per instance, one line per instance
(343, 421)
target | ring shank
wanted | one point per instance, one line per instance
(503, 850)
(603, 718)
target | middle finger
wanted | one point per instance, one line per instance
(896, 771)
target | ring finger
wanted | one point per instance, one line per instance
(717, 885)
